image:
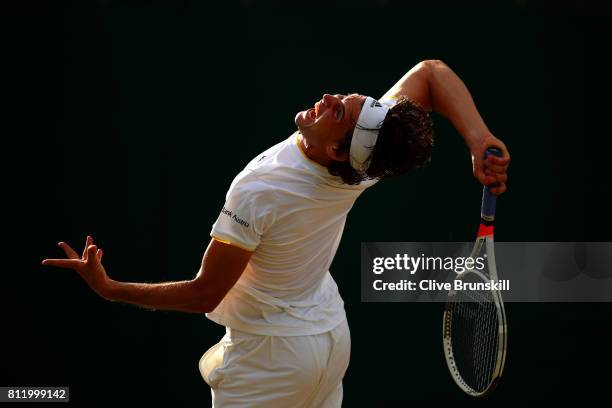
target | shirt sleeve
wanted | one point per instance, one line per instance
(246, 215)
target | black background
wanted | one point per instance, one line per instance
(132, 118)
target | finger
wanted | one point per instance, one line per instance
(487, 178)
(63, 263)
(480, 175)
(99, 255)
(499, 177)
(502, 178)
(478, 169)
(70, 253)
(499, 189)
(497, 169)
(496, 163)
(91, 254)
(88, 242)
(502, 161)
(498, 144)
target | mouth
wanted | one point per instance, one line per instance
(309, 117)
(312, 113)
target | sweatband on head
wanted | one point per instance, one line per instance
(366, 133)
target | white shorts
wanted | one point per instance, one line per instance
(249, 370)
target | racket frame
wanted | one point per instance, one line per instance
(484, 242)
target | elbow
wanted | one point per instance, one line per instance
(199, 307)
(206, 302)
(432, 63)
(208, 307)
(430, 67)
(200, 298)
(202, 304)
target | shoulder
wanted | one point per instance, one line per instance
(255, 176)
(248, 182)
(271, 154)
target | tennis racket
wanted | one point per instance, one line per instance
(474, 325)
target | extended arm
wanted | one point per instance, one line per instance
(434, 86)
(222, 265)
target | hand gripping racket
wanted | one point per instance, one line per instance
(474, 326)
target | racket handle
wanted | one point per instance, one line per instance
(487, 212)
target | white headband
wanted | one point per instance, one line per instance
(366, 133)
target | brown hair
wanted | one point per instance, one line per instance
(404, 143)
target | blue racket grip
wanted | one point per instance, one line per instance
(489, 200)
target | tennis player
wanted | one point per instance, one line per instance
(265, 274)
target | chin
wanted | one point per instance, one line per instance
(305, 119)
(297, 120)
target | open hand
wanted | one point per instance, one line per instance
(89, 265)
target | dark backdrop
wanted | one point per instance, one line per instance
(132, 118)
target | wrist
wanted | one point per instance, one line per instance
(476, 139)
(109, 289)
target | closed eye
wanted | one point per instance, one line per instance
(340, 112)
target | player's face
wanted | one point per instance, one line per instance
(328, 122)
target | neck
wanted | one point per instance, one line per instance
(311, 152)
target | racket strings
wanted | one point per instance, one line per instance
(474, 339)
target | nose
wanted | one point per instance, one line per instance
(330, 99)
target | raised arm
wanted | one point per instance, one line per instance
(222, 265)
(434, 86)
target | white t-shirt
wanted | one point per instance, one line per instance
(291, 212)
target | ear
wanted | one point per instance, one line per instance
(334, 153)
